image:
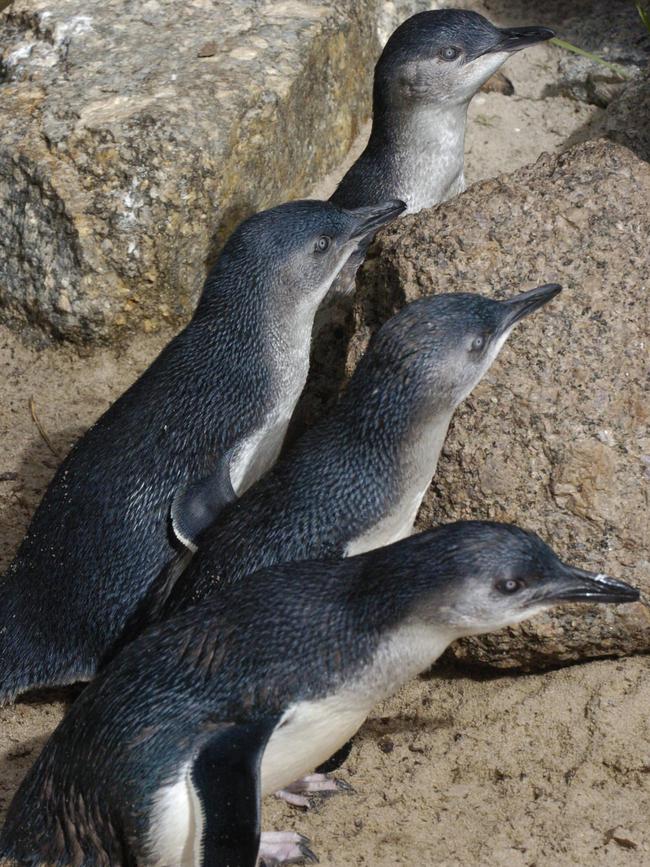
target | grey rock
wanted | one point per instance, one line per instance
(627, 119)
(557, 437)
(614, 32)
(136, 135)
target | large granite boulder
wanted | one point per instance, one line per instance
(135, 135)
(557, 438)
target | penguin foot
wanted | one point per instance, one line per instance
(314, 784)
(284, 847)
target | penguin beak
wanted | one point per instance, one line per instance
(576, 585)
(523, 305)
(515, 38)
(371, 218)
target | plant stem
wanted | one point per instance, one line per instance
(618, 70)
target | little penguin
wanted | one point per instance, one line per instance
(425, 78)
(356, 480)
(194, 432)
(165, 757)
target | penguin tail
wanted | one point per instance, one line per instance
(28, 658)
(15, 662)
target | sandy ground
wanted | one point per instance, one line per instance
(538, 770)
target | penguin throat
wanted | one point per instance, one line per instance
(419, 453)
(423, 151)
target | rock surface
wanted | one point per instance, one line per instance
(557, 438)
(135, 137)
(613, 31)
(627, 119)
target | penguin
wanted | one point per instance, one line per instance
(165, 757)
(203, 422)
(356, 480)
(430, 69)
(424, 80)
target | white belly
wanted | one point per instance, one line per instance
(308, 734)
(258, 452)
(177, 825)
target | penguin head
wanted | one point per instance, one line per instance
(293, 252)
(484, 576)
(444, 56)
(432, 353)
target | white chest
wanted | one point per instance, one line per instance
(257, 452)
(429, 160)
(309, 733)
(312, 731)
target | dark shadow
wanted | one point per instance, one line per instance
(375, 299)
(19, 758)
(47, 695)
(378, 727)
(15, 763)
(327, 366)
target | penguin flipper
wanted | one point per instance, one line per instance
(226, 776)
(196, 506)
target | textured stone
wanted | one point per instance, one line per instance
(612, 31)
(627, 119)
(135, 136)
(557, 438)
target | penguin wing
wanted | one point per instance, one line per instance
(151, 607)
(196, 506)
(226, 777)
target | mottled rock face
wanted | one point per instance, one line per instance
(136, 135)
(612, 31)
(627, 119)
(557, 438)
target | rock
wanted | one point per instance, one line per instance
(557, 438)
(135, 137)
(627, 119)
(613, 32)
(499, 83)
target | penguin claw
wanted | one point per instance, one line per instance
(321, 785)
(284, 847)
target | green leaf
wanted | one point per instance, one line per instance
(645, 16)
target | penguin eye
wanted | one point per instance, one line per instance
(478, 343)
(449, 52)
(322, 244)
(510, 585)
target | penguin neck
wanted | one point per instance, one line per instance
(289, 325)
(423, 446)
(407, 432)
(268, 324)
(423, 151)
(407, 650)
(402, 454)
